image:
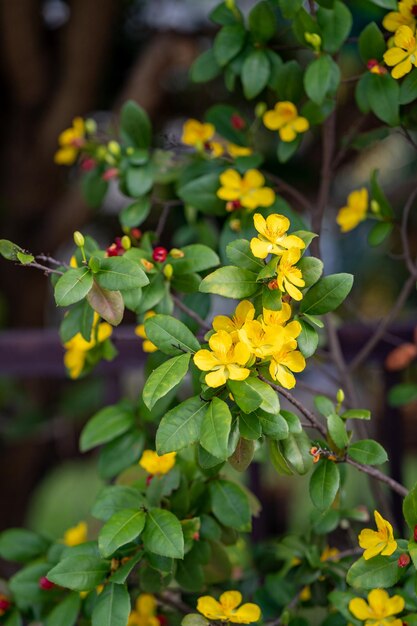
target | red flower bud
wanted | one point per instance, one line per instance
(88, 164)
(163, 621)
(237, 121)
(403, 560)
(136, 233)
(160, 254)
(46, 584)
(196, 536)
(415, 533)
(5, 604)
(371, 63)
(112, 172)
(149, 479)
(414, 10)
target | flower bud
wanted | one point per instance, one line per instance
(114, 148)
(112, 172)
(273, 284)
(176, 253)
(375, 207)
(160, 254)
(403, 560)
(90, 126)
(235, 225)
(168, 271)
(94, 263)
(46, 584)
(401, 357)
(101, 152)
(5, 604)
(88, 164)
(78, 239)
(230, 4)
(196, 536)
(340, 396)
(260, 109)
(136, 233)
(415, 533)
(126, 243)
(129, 151)
(237, 121)
(314, 40)
(147, 265)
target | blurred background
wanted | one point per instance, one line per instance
(63, 58)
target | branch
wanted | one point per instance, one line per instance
(291, 191)
(185, 309)
(371, 471)
(44, 268)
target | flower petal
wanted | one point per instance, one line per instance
(216, 378)
(259, 248)
(287, 133)
(210, 608)
(205, 360)
(360, 609)
(236, 372)
(246, 614)
(402, 69)
(230, 600)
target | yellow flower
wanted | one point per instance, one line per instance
(227, 609)
(224, 360)
(155, 464)
(380, 610)
(76, 535)
(283, 363)
(379, 541)
(77, 347)
(305, 594)
(70, 142)
(196, 134)
(329, 553)
(238, 151)
(280, 318)
(249, 191)
(216, 148)
(147, 346)
(273, 238)
(403, 55)
(290, 277)
(405, 16)
(244, 312)
(285, 119)
(261, 341)
(144, 613)
(355, 211)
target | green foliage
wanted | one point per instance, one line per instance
(171, 336)
(122, 528)
(324, 484)
(368, 451)
(112, 607)
(106, 425)
(166, 377)
(80, 573)
(327, 294)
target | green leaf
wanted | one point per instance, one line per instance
(171, 336)
(358, 414)
(135, 126)
(293, 422)
(118, 273)
(286, 149)
(239, 253)
(123, 527)
(112, 607)
(9, 250)
(385, 207)
(205, 67)
(311, 269)
(327, 294)
(324, 405)
(94, 188)
(368, 452)
(408, 88)
(139, 180)
(197, 258)
(289, 8)
(278, 460)
(335, 25)
(255, 73)
(200, 193)
(308, 339)
(410, 508)
(337, 430)
(108, 304)
(322, 77)
(379, 233)
(136, 213)
(378, 572)
(230, 505)
(120, 453)
(296, 450)
(24, 257)
(73, 286)
(180, 427)
(194, 619)
(246, 397)
(230, 282)
(324, 484)
(287, 80)
(163, 534)
(372, 44)
(270, 399)
(401, 394)
(19, 544)
(116, 498)
(164, 378)
(25, 585)
(105, 426)
(120, 576)
(386, 4)
(262, 21)
(78, 319)
(80, 573)
(250, 426)
(228, 43)
(383, 97)
(274, 426)
(66, 612)
(215, 429)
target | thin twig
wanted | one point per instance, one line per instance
(372, 471)
(411, 266)
(185, 309)
(175, 603)
(44, 268)
(290, 605)
(350, 135)
(51, 260)
(290, 191)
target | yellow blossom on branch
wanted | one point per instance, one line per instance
(284, 363)
(379, 541)
(261, 341)
(228, 609)
(147, 345)
(405, 16)
(155, 464)
(355, 210)
(224, 360)
(144, 613)
(76, 534)
(280, 318)
(70, 142)
(244, 312)
(380, 610)
(289, 277)
(403, 55)
(77, 347)
(238, 151)
(285, 119)
(248, 190)
(272, 237)
(196, 134)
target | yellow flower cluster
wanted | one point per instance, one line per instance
(273, 239)
(227, 609)
(70, 141)
(240, 340)
(77, 347)
(355, 210)
(201, 136)
(285, 119)
(402, 47)
(245, 191)
(144, 613)
(379, 541)
(157, 465)
(380, 610)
